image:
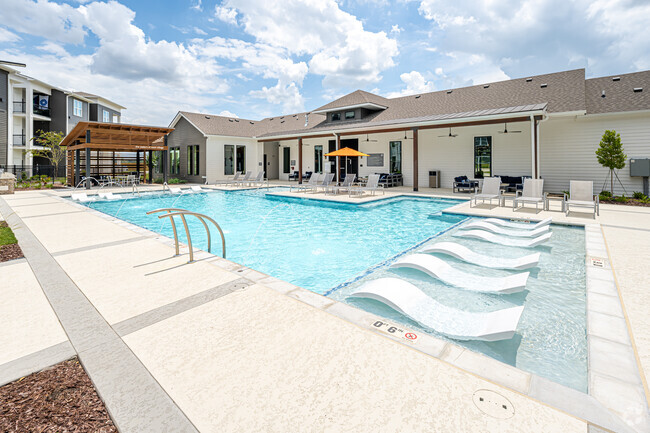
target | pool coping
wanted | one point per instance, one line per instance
(602, 408)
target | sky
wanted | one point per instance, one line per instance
(255, 59)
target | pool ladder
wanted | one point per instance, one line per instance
(173, 212)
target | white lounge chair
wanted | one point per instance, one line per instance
(533, 192)
(229, 181)
(82, 197)
(244, 180)
(490, 190)
(412, 302)
(324, 184)
(311, 183)
(372, 185)
(463, 253)
(444, 272)
(196, 188)
(259, 180)
(109, 196)
(482, 225)
(519, 225)
(175, 190)
(504, 240)
(346, 185)
(581, 194)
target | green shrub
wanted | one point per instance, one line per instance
(606, 194)
(604, 197)
(49, 185)
(36, 185)
(174, 181)
(159, 181)
(638, 195)
(621, 199)
(567, 193)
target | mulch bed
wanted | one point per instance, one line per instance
(630, 202)
(59, 399)
(10, 252)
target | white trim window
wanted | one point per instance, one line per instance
(106, 116)
(77, 108)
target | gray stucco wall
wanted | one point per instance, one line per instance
(183, 135)
(57, 111)
(4, 114)
(72, 119)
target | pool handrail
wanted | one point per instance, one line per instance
(172, 212)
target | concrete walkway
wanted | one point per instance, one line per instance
(213, 346)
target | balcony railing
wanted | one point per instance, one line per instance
(19, 140)
(41, 111)
(19, 106)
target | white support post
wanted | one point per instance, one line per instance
(533, 155)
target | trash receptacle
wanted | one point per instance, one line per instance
(434, 179)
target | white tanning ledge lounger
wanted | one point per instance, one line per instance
(514, 225)
(482, 225)
(461, 325)
(441, 270)
(504, 240)
(463, 253)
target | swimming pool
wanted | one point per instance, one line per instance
(332, 248)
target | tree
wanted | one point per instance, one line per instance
(52, 149)
(610, 154)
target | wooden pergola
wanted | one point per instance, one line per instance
(112, 137)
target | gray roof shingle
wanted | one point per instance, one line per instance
(619, 95)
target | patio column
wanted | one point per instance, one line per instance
(338, 159)
(533, 148)
(415, 159)
(77, 166)
(137, 161)
(299, 160)
(87, 167)
(164, 160)
(150, 166)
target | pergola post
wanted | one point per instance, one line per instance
(88, 159)
(415, 159)
(338, 159)
(299, 160)
(164, 160)
(77, 167)
(137, 161)
(150, 166)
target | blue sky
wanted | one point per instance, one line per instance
(255, 59)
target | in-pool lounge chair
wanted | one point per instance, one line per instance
(196, 188)
(519, 225)
(175, 190)
(313, 181)
(347, 183)
(82, 197)
(243, 181)
(504, 240)
(490, 190)
(484, 225)
(581, 194)
(229, 181)
(533, 192)
(461, 252)
(109, 196)
(443, 271)
(371, 186)
(412, 302)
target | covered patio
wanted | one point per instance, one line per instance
(110, 150)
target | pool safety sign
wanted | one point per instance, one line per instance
(394, 330)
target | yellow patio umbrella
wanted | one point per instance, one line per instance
(346, 151)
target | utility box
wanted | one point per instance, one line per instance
(434, 179)
(640, 167)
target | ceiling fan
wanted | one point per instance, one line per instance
(505, 130)
(450, 135)
(368, 140)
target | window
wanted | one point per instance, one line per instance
(336, 116)
(106, 116)
(395, 156)
(349, 114)
(174, 160)
(193, 160)
(482, 157)
(286, 159)
(228, 159)
(318, 159)
(77, 108)
(241, 158)
(116, 118)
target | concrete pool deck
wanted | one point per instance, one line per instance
(221, 347)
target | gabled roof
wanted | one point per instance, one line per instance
(358, 98)
(210, 124)
(619, 95)
(98, 99)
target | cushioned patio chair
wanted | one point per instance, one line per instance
(581, 194)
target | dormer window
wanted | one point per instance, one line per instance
(349, 114)
(336, 116)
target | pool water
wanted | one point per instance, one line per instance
(332, 248)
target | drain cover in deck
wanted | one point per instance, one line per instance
(493, 404)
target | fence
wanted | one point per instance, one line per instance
(32, 170)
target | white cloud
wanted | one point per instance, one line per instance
(198, 6)
(287, 95)
(523, 37)
(415, 83)
(7, 36)
(396, 29)
(226, 113)
(58, 22)
(227, 15)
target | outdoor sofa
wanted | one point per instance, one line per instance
(462, 183)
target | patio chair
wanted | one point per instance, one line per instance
(462, 183)
(490, 190)
(325, 183)
(344, 186)
(244, 180)
(294, 176)
(259, 180)
(409, 300)
(533, 192)
(372, 186)
(313, 182)
(581, 194)
(235, 178)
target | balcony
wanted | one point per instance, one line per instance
(19, 140)
(19, 106)
(41, 111)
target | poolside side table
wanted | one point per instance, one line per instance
(550, 198)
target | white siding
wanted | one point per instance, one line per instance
(214, 163)
(568, 147)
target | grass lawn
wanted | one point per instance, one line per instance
(6, 235)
